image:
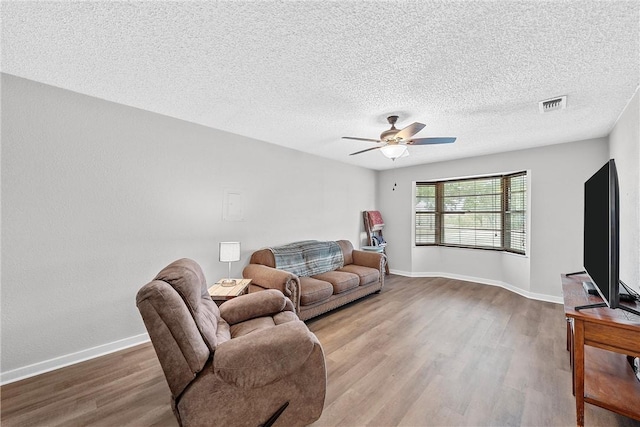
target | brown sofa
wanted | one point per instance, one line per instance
(237, 365)
(359, 273)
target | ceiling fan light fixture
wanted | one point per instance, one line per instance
(393, 141)
(394, 151)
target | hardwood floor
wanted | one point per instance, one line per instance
(423, 352)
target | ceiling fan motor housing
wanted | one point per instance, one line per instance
(390, 134)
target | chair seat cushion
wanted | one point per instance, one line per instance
(258, 359)
(284, 317)
(340, 280)
(366, 274)
(259, 323)
(244, 328)
(313, 290)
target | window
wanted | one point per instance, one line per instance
(515, 212)
(487, 213)
(426, 214)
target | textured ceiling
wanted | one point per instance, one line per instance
(303, 74)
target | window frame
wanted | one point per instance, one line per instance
(507, 243)
(505, 212)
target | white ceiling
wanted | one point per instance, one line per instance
(302, 74)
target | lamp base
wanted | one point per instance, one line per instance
(228, 282)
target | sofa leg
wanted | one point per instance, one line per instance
(275, 416)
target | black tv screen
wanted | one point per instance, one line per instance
(601, 232)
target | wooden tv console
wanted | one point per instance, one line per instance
(598, 340)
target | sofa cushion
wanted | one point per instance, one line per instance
(340, 280)
(366, 274)
(313, 290)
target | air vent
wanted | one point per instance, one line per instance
(553, 104)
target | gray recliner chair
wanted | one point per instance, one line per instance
(249, 362)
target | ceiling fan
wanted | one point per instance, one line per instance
(394, 141)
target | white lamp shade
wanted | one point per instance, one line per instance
(229, 251)
(394, 151)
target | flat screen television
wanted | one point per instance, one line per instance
(602, 238)
(602, 232)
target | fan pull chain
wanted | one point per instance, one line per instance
(395, 180)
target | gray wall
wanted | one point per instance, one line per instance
(624, 147)
(98, 197)
(556, 178)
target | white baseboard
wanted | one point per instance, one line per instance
(70, 359)
(507, 286)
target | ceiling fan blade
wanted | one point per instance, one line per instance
(361, 139)
(410, 130)
(364, 151)
(426, 141)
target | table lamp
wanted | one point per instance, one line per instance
(229, 252)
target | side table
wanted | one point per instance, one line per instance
(220, 294)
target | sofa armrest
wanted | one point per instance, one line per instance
(264, 356)
(272, 278)
(247, 307)
(375, 260)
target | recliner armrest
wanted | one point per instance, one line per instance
(259, 304)
(264, 356)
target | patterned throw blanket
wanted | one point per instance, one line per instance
(308, 257)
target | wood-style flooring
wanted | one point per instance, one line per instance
(423, 352)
